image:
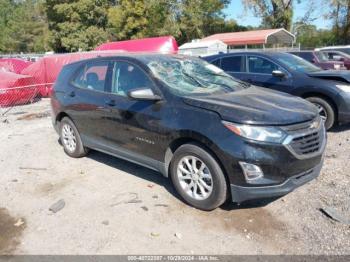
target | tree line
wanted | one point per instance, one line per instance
(73, 25)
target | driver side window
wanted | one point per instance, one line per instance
(261, 65)
(127, 77)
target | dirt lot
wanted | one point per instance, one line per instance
(115, 207)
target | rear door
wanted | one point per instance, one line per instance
(260, 73)
(87, 99)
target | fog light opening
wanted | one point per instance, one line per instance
(250, 171)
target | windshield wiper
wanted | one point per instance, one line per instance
(192, 78)
(227, 87)
(245, 84)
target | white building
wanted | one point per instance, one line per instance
(203, 48)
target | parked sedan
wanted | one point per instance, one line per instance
(215, 137)
(338, 56)
(328, 90)
(342, 48)
(320, 59)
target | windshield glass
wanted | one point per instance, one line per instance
(322, 56)
(296, 63)
(192, 76)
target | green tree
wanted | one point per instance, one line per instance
(6, 10)
(23, 26)
(274, 13)
(78, 24)
(198, 18)
(184, 19)
(310, 37)
(340, 15)
(142, 18)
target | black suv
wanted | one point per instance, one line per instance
(213, 136)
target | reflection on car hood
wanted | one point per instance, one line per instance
(338, 75)
(258, 106)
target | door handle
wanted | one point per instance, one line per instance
(110, 102)
(72, 94)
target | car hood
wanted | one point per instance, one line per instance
(259, 106)
(338, 75)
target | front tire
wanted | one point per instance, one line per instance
(198, 178)
(70, 139)
(325, 109)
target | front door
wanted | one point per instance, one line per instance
(129, 125)
(260, 73)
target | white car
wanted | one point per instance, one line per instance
(342, 48)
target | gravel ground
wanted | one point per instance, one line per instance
(115, 207)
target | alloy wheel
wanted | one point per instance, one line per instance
(195, 177)
(322, 112)
(69, 138)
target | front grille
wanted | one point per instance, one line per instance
(306, 140)
(307, 144)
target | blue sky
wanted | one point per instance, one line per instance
(237, 12)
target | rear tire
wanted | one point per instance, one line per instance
(198, 178)
(70, 139)
(326, 110)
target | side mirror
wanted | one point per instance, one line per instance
(143, 94)
(278, 73)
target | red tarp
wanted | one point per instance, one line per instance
(164, 44)
(16, 89)
(13, 65)
(46, 70)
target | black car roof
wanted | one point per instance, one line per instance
(134, 56)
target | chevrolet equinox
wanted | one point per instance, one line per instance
(214, 136)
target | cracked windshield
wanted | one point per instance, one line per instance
(187, 76)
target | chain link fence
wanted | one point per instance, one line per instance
(17, 89)
(25, 81)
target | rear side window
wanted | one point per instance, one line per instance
(261, 65)
(233, 64)
(92, 76)
(334, 56)
(307, 56)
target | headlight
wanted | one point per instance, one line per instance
(344, 88)
(258, 133)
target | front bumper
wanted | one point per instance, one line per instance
(343, 103)
(344, 117)
(240, 194)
